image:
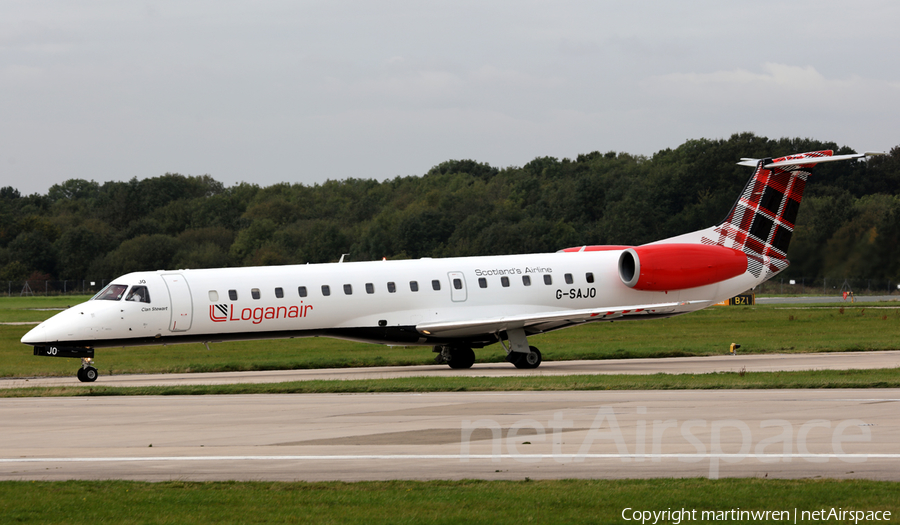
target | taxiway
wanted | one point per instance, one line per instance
(676, 365)
(455, 435)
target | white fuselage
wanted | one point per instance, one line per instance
(379, 301)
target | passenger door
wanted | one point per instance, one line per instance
(180, 302)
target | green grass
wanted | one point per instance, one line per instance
(884, 378)
(393, 502)
(32, 302)
(31, 309)
(759, 329)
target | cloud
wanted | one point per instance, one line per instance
(21, 74)
(777, 100)
(775, 86)
(773, 75)
(430, 85)
(275, 89)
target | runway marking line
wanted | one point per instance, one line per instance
(458, 457)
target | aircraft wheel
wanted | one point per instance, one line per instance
(462, 357)
(80, 375)
(530, 360)
(89, 374)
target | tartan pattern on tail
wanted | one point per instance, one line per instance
(762, 221)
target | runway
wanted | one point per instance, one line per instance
(457, 435)
(676, 365)
(506, 435)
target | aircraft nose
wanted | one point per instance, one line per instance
(61, 327)
(35, 335)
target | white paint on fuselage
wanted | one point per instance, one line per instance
(102, 319)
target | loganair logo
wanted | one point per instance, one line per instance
(221, 313)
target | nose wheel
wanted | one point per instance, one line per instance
(87, 373)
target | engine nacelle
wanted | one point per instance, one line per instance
(663, 267)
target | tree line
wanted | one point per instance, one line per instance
(849, 221)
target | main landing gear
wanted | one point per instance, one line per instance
(518, 352)
(521, 360)
(458, 356)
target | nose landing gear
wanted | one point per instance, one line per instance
(87, 373)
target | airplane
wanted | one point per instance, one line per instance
(450, 304)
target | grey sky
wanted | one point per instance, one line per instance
(272, 91)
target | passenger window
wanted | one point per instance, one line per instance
(548, 280)
(370, 288)
(254, 293)
(326, 290)
(457, 283)
(414, 286)
(348, 289)
(232, 294)
(569, 279)
(482, 282)
(526, 280)
(392, 287)
(213, 296)
(302, 291)
(279, 293)
(436, 285)
(504, 281)
(138, 294)
(589, 277)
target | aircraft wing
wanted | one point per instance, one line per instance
(468, 327)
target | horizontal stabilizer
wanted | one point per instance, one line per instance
(492, 325)
(807, 161)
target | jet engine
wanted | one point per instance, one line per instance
(663, 267)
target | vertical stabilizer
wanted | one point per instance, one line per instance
(761, 222)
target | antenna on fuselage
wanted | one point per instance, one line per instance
(342, 257)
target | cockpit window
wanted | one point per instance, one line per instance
(113, 292)
(138, 294)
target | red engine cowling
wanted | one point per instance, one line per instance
(663, 267)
